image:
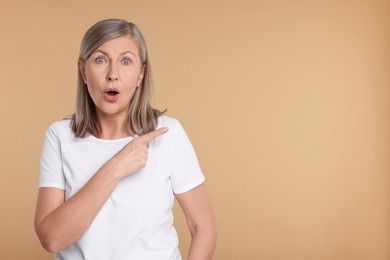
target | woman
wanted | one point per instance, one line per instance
(109, 174)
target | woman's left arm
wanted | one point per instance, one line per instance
(201, 222)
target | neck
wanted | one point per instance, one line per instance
(113, 127)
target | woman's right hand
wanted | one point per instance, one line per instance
(134, 155)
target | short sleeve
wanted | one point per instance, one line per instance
(186, 173)
(51, 174)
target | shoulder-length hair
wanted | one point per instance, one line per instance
(141, 116)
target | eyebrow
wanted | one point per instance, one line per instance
(122, 53)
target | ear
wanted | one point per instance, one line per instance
(141, 76)
(81, 66)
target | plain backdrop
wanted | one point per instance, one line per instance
(287, 104)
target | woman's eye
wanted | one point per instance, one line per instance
(100, 60)
(126, 61)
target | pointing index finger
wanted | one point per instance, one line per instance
(146, 138)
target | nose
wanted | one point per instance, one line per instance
(112, 77)
(112, 73)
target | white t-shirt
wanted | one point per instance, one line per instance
(136, 222)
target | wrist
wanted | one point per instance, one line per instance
(111, 169)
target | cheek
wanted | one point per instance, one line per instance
(134, 79)
(92, 92)
(94, 74)
(93, 84)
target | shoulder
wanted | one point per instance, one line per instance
(166, 121)
(60, 128)
(175, 129)
(177, 134)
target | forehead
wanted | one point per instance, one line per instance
(120, 44)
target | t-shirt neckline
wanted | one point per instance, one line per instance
(96, 139)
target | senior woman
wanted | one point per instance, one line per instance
(109, 173)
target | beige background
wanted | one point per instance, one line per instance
(286, 102)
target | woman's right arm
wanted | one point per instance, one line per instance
(59, 223)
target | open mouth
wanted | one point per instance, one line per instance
(112, 92)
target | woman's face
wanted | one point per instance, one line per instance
(112, 73)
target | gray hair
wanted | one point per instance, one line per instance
(141, 117)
